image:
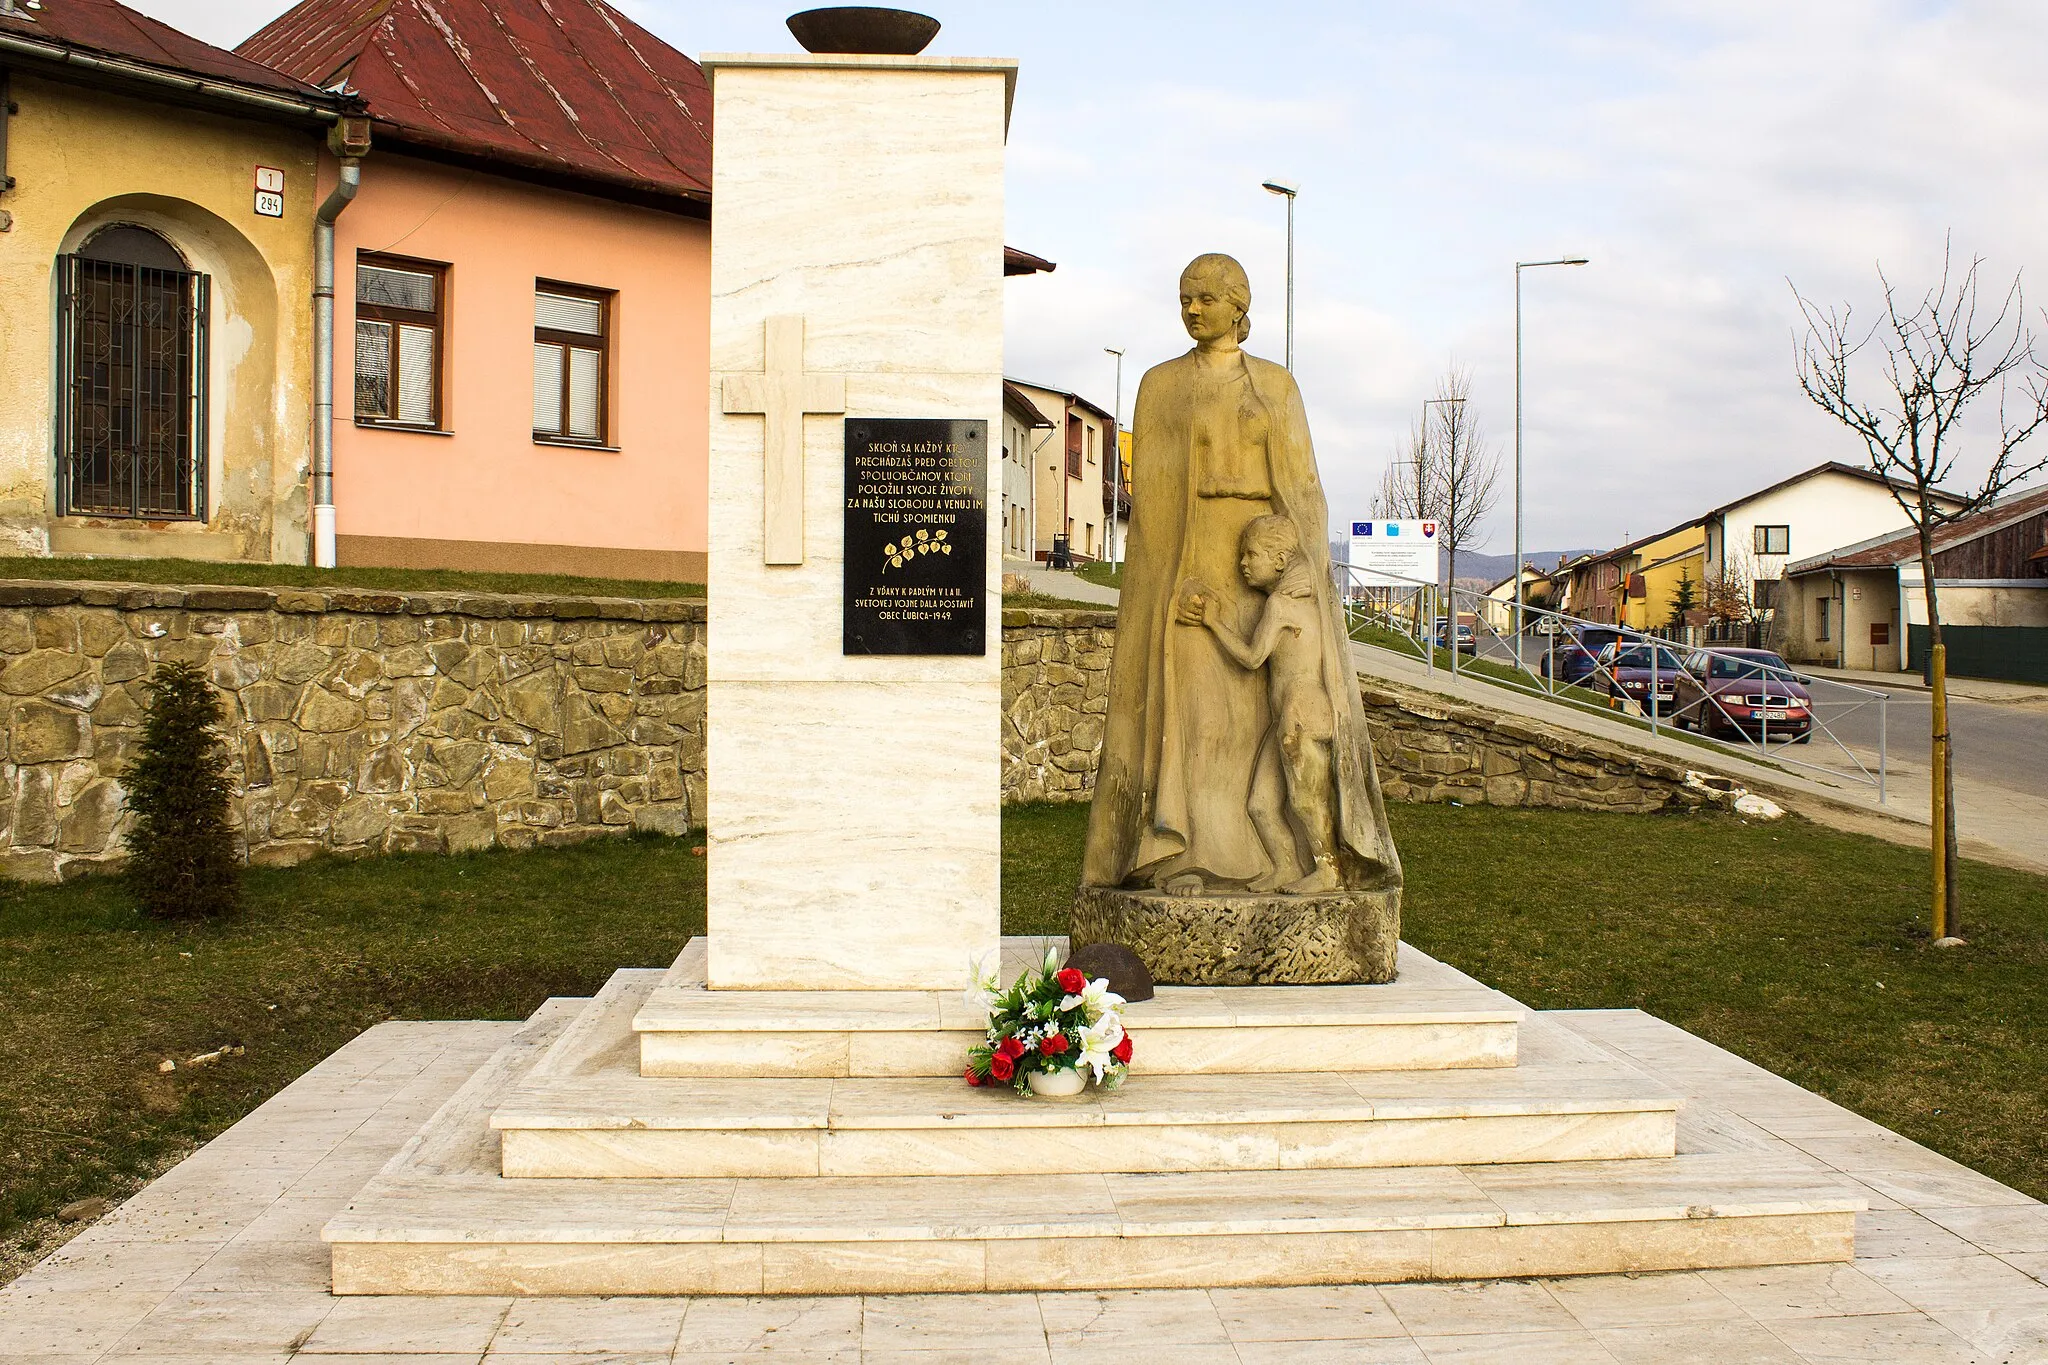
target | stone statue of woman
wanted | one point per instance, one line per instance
(1237, 833)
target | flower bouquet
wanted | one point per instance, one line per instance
(1050, 1033)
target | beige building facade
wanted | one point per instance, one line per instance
(156, 277)
(1070, 478)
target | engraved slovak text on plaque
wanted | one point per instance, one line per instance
(916, 536)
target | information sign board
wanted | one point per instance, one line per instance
(1393, 554)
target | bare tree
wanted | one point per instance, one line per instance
(1408, 487)
(1934, 356)
(1406, 493)
(1739, 595)
(1463, 469)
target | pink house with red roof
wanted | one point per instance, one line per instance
(522, 285)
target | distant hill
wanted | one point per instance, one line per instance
(1493, 568)
(1473, 565)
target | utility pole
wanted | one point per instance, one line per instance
(1520, 266)
(1422, 466)
(1113, 463)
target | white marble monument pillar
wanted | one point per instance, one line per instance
(856, 271)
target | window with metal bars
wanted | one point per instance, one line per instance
(131, 392)
(399, 326)
(571, 363)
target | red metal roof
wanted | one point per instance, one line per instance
(569, 88)
(105, 28)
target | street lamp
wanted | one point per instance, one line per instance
(1115, 456)
(1427, 404)
(1421, 494)
(1421, 463)
(1288, 189)
(1516, 570)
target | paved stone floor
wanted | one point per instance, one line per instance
(221, 1260)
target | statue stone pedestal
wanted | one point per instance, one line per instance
(1343, 937)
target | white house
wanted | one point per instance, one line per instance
(1537, 589)
(1865, 605)
(1027, 435)
(1753, 538)
(1071, 476)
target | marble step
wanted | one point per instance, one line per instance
(585, 1112)
(439, 1219)
(1431, 1018)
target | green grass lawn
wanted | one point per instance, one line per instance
(1047, 602)
(1803, 949)
(92, 998)
(1101, 573)
(1797, 947)
(302, 576)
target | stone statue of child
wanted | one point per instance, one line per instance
(1288, 644)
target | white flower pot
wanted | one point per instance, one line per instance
(1056, 1084)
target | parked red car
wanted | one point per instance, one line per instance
(1748, 693)
(1630, 672)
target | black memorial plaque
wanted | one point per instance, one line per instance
(916, 536)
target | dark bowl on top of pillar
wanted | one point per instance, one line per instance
(864, 29)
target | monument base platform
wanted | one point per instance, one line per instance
(583, 1111)
(1431, 1019)
(560, 1168)
(1240, 939)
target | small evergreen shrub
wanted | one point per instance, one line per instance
(181, 850)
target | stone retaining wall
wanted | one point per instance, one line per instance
(1430, 748)
(360, 721)
(1055, 699)
(370, 722)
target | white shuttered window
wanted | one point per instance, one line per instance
(398, 342)
(571, 341)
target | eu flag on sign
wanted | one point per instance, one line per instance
(1361, 528)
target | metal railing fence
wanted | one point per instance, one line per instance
(1725, 695)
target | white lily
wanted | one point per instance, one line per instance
(1096, 1041)
(1097, 999)
(985, 982)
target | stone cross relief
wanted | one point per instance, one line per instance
(784, 393)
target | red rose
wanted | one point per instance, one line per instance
(1071, 981)
(973, 1076)
(1054, 1046)
(1122, 1050)
(1001, 1067)
(1010, 1048)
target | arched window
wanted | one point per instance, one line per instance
(131, 400)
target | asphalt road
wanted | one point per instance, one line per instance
(2001, 744)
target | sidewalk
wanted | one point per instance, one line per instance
(1060, 583)
(2001, 826)
(1991, 690)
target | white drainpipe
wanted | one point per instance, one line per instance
(345, 186)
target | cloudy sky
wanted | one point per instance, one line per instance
(1699, 153)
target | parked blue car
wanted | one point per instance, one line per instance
(1573, 656)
